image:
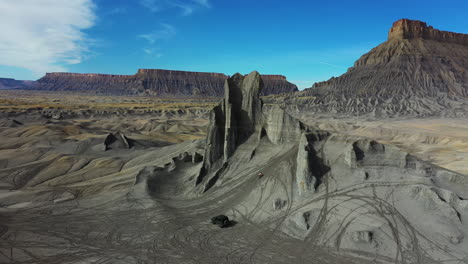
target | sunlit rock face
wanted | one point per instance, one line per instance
(418, 71)
(164, 83)
(414, 29)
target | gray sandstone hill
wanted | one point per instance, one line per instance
(240, 116)
(164, 83)
(418, 71)
(105, 189)
(329, 189)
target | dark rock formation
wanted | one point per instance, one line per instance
(235, 118)
(152, 82)
(276, 84)
(99, 84)
(162, 82)
(221, 221)
(8, 83)
(243, 108)
(117, 141)
(240, 116)
(418, 70)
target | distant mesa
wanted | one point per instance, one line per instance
(419, 70)
(152, 82)
(415, 60)
(8, 83)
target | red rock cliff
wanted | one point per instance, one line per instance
(414, 29)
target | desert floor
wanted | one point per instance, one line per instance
(66, 198)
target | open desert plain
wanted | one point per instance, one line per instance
(176, 166)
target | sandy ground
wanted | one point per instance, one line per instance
(442, 141)
(64, 199)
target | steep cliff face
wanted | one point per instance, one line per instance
(163, 82)
(241, 117)
(416, 64)
(243, 109)
(100, 84)
(152, 82)
(413, 29)
(276, 84)
(234, 120)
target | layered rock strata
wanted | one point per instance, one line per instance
(152, 82)
(418, 70)
(8, 83)
(414, 29)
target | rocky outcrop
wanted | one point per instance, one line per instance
(418, 70)
(165, 83)
(280, 127)
(242, 107)
(8, 83)
(214, 147)
(99, 84)
(326, 188)
(276, 84)
(117, 141)
(413, 29)
(234, 120)
(240, 117)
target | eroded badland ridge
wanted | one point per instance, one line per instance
(418, 71)
(328, 188)
(129, 188)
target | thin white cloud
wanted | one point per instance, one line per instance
(118, 10)
(186, 6)
(186, 9)
(165, 32)
(204, 3)
(153, 38)
(152, 52)
(44, 35)
(148, 51)
(152, 5)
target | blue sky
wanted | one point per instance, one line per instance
(307, 41)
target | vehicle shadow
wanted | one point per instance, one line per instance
(231, 223)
